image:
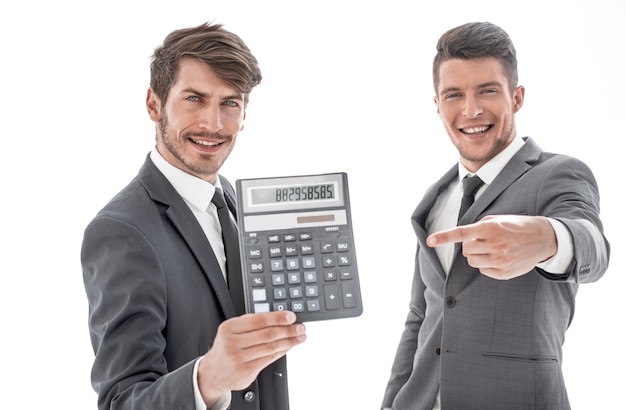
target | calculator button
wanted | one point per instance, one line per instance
(292, 264)
(280, 293)
(310, 277)
(276, 265)
(259, 295)
(258, 280)
(275, 251)
(328, 261)
(297, 306)
(278, 279)
(291, 250)
(280, 306)
(311, 291)
(306, 249)
(256, 267)
(327, 247)
(313, 305)
(305, 236)
(308, 262)
(330, 275)
(332, 297)
(294, 278)
(261, 307)
(273, 238)
(349, 297)
(344, 260)
(255, 253)
(343, 246)
(345, 274)
(295, 293)
(289, 237)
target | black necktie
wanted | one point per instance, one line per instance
(470, 187)
(231, 248)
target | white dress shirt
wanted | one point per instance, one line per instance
(197, 194)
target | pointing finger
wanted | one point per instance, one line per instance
(453, 235)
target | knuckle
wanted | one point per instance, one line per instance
(271, 348)
(271, 334)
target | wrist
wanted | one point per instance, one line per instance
(208, 386)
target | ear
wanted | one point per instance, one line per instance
(243, 121)
(436, 101)
(153, 104)
(518, 98)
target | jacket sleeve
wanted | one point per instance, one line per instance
(126, 292)
(403, 362)
(576, 204)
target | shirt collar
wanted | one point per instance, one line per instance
(489, 171)
(194, 190)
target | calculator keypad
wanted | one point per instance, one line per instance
(311, 273)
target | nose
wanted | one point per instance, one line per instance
(211, 118)
(472, 108)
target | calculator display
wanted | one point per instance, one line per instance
(292, 193)
(281, 194)
(297, 246)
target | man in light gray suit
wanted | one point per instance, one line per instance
(166, 332)
(493, 293)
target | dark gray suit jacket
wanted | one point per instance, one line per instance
(156, 298)
(492, 344)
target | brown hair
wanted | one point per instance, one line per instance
(224, 52)
(477, 40)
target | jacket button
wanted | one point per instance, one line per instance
(450, 301)
(438, 351)
(249, 396)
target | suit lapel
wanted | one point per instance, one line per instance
(518, 165)
(191, 232)
(229, 195)
(421, 213)
(160, 190)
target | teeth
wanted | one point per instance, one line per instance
(475, 130)
(207, 143)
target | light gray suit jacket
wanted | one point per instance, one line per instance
(490, 344)
(156, 298)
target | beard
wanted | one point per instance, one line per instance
(208, 165)
(497, 147)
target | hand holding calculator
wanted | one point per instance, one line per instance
(297, 246)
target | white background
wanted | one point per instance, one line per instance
(347, 87)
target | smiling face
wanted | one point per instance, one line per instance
(198, 125)
(477, 107)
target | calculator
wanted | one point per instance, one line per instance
(297, 246)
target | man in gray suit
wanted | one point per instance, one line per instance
(493, 293)
(165, 330)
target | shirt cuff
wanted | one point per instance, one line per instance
(561, 261)
(222, 403)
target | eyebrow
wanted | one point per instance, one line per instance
(490, 84)
(449, 89)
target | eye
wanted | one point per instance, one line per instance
(452, 96)
(193, 98)
(231, 103)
